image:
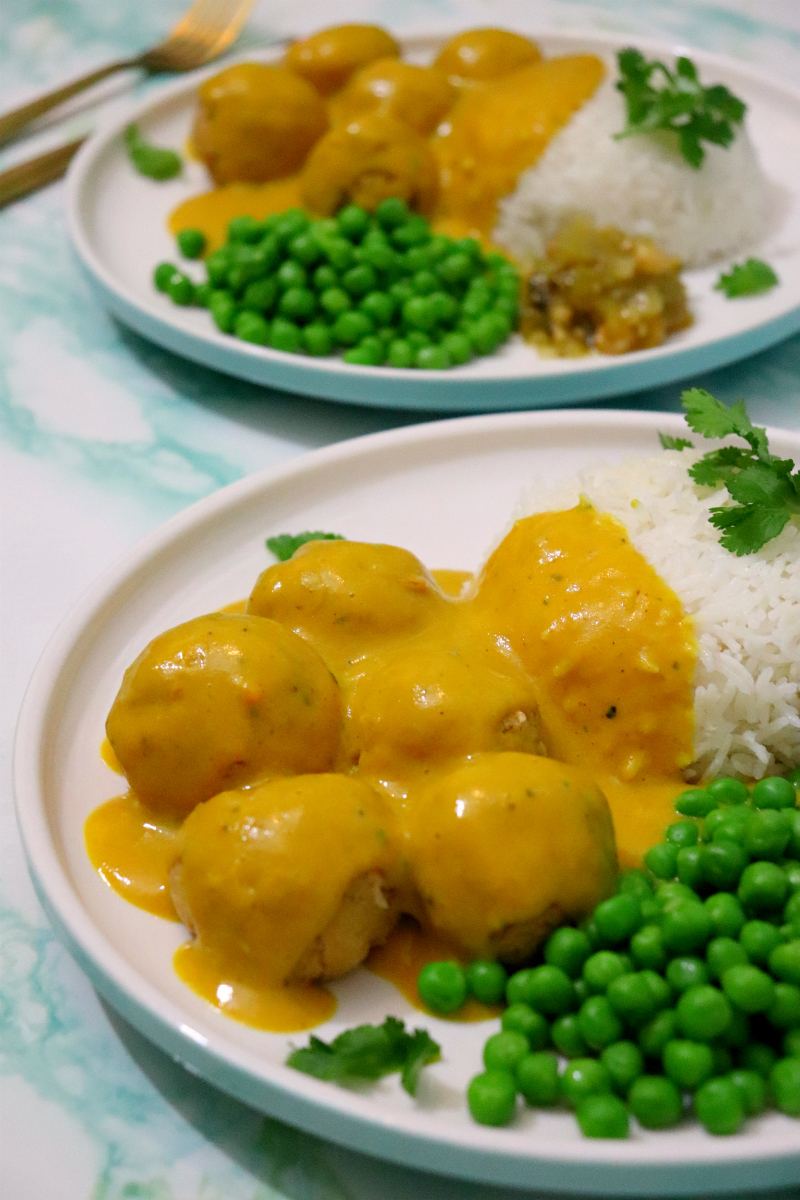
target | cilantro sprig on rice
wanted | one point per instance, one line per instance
(766, 488)
(658, 98)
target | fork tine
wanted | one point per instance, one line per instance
(213, 23)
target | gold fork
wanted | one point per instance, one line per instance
(208, 28)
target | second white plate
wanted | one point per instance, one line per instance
(445, 491)
(118, 224)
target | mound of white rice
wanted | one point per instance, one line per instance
(641, 185)
(746, 611)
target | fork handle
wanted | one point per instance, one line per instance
(18, 118)
(28, 176)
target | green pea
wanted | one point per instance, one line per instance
(748, 987)
(339, 253)
(581, 991)
(725, 913)
(602, 1117)
(763, 887)
(475, 303)
(457, 347)
(792, 848)
(758, 939)
(401, 291)
(774, 792)
(442, 986)
(251, 327)
(686, 971)
(163, 275)
(217, 265)
(298, 304)
(260, 295)
(671, 892)
(289, 223)
(305, 249)
(291, 274)
(360, 279)
(352, 221)
(456, 268)
(432, 358)
(391, 213)
(791, 1043)
(335, 301)
(757, 1056)
(737, 1034)
(567, 1037)
(722, 863)
(223, 309)
(624, 1062)
(722, 953)
(784, 961)
(685, 927)
(704, 1013)
(483, 335)
(202, 294)
(689, 865)
(317, 339)
(784, 1012)
(688, 1063)
(503, 1051)
(412, 232)
(419, 313)
(500, 323)
(728, 791)
(550, 990)
(492, 1097)
(323, 230)
(324, 277)
(655, 1102)
(719, 1106)
(598, 1023)
(791, 870)
(647, 948)
(752, 1090)
(632, 998)
(368, 353)
(444, 306)
(424, 282)
(660, 991)
(618, 918)
(350, 327)
(654, 1036)
(767, 834)
(523, 1019)
(379, 307)
(726, 823)
(285, 335)
(637, 883)
(584, 1077)
(568, 949)
(696, 802)
(487, 981)
(682, 833)
(379, 255)
(400, 354)
(601, 968)
(651, 909)
(180, 289)
(662, 860)
(245, 229)
(417, 339)
(537, 1079)
(791, 912)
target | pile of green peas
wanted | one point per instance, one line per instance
(381, 287)
(680, 992)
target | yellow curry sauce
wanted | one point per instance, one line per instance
(481, 114)
(568, 643)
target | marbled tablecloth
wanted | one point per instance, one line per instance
(103, 436)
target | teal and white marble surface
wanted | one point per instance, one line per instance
(103, 436)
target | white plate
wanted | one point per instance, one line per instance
(444, 491)
(118, 224)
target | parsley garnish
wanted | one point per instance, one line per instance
(680, 103)
(747, 279)
(673, 443)
(284, 545)
(368, 1052)
(766, 490)
(152, 161)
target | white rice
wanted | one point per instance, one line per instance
(641, 185)
(746, 610)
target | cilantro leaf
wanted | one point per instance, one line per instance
(674, 443)
(368, 1052)
(152, 161)
(657, 98)
(283, 545)
(765, 489)
(750, 278)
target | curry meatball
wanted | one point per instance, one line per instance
(345, 597)
(418, 96)
(508, 847)
(256, 123)
(219, 702)
(327, 59)
(290, 881)
(478, 55)
(369, 160)
(433, 700)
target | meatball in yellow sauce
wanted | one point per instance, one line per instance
(479, 55)
(327, 59)
(419, 96)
